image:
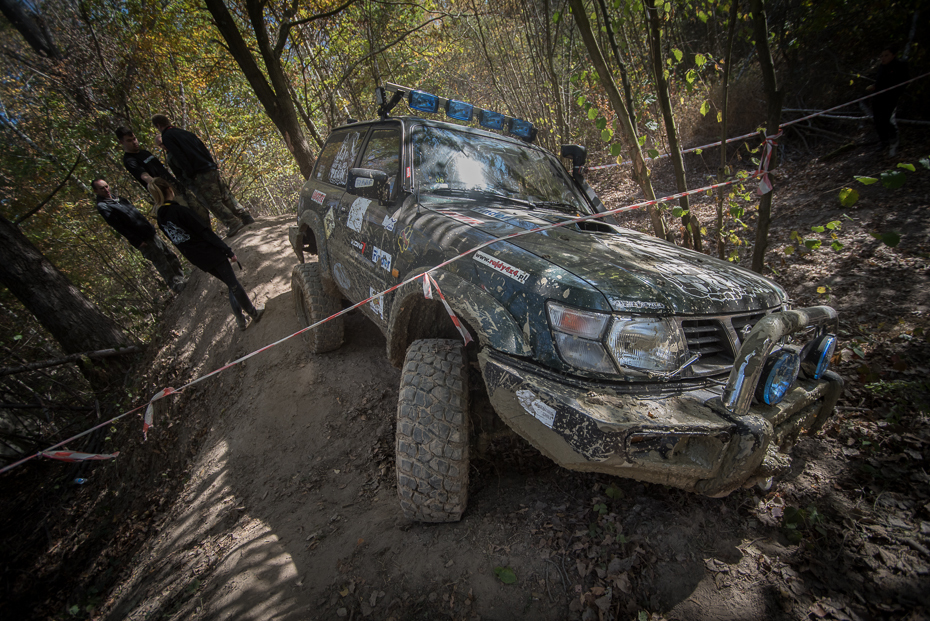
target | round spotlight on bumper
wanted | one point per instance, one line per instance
(816, 355)
(778, 374)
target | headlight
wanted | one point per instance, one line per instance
(646, 343)
(577, 336)
(778, 374)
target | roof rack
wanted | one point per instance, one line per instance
(422, 101)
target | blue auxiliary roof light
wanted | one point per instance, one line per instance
(491, 120)
(459, 110)
(423, 102)
(522, 129)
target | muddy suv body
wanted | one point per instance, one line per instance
(607, 349)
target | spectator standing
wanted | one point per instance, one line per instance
(145, 167)
(891, 72)
(120, 214)
(202, 247)
(193, 158)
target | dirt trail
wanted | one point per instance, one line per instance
(290, 510)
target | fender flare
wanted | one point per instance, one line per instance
(488, 319)
(314, 222)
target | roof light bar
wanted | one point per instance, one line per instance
(422, 101)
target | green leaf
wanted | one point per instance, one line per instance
(834, 225)
(600, 123)
(592, 114)
(890, 239)
(678, 54)
(925, 162)
(848, 197)
(865, 180)
(906, 166)
(616, 149)
(18, 337)
(505, 575)
(893, 179)
(641, 140)
(652, 125)
(678, 212)
(614, 492)
(700, 60)
(698, 152)
(720, 116)
(836, 246)
(581, 100)
(652, 153)
(607, 135)
(702, 16)
(818, 229)
(813, 244)
(556, 17)
(789, 250)
(691, 76)
(705, 107)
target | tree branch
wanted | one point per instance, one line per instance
(49, 197)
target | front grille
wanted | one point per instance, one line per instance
(716, 339)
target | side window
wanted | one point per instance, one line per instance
(383, 153)
(337, 157)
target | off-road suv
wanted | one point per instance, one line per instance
(607, 349)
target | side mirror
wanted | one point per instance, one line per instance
(578, 155)
(369, 183)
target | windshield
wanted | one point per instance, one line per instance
(448, 160)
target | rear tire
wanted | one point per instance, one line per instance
(315, 300)
(432, 432)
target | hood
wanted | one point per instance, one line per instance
(637, 273)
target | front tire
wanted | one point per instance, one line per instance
(432, 432)
(315, 300)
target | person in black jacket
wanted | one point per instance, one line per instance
(202, 247)
(891, 72)
(192, 157)
(144, 167)
(131, 224)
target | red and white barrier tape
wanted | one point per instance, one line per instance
(72, 456)
(428, 294)
(765, 184)
(782, 127)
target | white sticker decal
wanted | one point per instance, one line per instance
(382, 258)
(329, 222)
(363, 182)
(359, 245)
(539, 410)
(504, 268)
(318, 197)
(357, 214)
(377, 304)
(388, 223)
(342, 279)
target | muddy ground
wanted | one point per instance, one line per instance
(268, 491)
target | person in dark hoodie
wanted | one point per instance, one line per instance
(202, 247)
(120, 214)
(891, 72)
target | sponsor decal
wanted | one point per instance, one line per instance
(388, 223)
(382, 258)
(342, 279)
(403, 239)
(537, 409)
(461, 218)
(508, 219)
(359, 245)
(318, 197)
(329, 222)
(364, 182)
(499, 266)
(635, 305)
(357, 214)
(377, 304)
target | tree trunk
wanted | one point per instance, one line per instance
(721, 171)
(640, 172)
(31, 26)
(275, 97)
(692, 227)
(73, 320)
(773, 98)
(624, 78)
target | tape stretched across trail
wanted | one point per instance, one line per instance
(148, 418)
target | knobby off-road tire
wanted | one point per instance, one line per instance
(314, 300)
(432, 432)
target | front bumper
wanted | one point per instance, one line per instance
(699, 437)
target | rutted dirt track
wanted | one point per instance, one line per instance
(290, 511)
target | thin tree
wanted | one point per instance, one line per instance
(721, 171)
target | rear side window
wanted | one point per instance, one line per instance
(337, 157)
(383, 153)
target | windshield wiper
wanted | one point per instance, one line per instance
(483, 193)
